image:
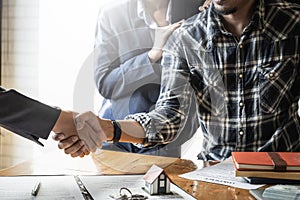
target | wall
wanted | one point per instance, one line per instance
(19, 67)
(45, 45)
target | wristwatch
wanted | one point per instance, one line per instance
(117, 132)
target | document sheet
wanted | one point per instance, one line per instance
(51, 188)
(222, 173)
(108, 187)
(66, 188)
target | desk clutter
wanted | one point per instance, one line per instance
(281, 170)
(268, 167)
(103, 178)
(252, 171)
(80, 187)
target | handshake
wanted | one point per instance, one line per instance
(80, 134)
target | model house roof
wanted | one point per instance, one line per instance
(153, 173)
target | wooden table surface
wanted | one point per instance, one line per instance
(117, 163)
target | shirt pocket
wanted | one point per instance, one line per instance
(275, 81)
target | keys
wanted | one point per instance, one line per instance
(128, 196)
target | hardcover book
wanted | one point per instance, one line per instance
(268, 174)
(265, 161)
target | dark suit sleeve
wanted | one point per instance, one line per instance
(25, 116)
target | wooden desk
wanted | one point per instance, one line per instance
(117, 163)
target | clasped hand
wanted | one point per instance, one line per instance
(78, 134)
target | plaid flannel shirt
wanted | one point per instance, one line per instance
(247, 89)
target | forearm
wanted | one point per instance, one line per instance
(131, 131)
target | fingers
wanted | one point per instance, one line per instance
(74, 148)
(77, 154)
(85, 151)
(177, 24)
(58, 136)
(202, 8)
(205, 5)
(80, 153)
(68, 142)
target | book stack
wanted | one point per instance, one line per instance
(268, 167)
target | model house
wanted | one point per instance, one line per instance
(156, 181)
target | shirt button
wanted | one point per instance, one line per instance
(240, 76)
(241, 104)
(241, 132)
(271, 75)
(241, 46)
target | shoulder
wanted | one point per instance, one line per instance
(192, 34)
(282, 16)
(281, 7)
(195, 26)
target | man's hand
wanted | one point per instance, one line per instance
(161, 36)
(67, 135)
(84, 133)
(90, 131)
(65, 124)
(71, 145)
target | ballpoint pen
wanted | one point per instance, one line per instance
(36, 188)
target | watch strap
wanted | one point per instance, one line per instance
(117, 131)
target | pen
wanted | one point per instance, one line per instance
(36, 188)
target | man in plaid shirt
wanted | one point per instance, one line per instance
(240, 60)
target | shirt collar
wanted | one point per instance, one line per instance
(141, 11)
(216, 27)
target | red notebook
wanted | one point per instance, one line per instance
(263, 161)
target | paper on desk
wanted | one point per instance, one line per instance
(52, 188)
(102, 187)
(222, 173)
